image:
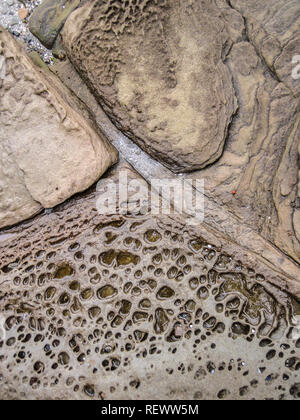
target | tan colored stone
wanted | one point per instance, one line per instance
(158, 70)
(48, 150)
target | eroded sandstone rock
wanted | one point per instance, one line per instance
(48, 150)
(224, 213)
(260, 160)
(147, 307)
(158, 70)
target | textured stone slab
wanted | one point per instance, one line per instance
(48, 150)
(158, 70)
(235, 219)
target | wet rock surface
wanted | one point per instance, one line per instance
(48, 150)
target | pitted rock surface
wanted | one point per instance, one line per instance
(158, 70)
(122, 307)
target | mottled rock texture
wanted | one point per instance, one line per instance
(158, 70)
(48, 151)
(239, 50)
(48, 19)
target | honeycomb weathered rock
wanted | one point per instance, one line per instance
(158, 70)
(48, 19)
(123, 307)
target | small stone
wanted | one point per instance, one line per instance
(178, 331)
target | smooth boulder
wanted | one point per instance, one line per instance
(48, 150)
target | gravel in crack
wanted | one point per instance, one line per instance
(14, 16)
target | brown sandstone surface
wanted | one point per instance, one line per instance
(135, 305)
(48, 150)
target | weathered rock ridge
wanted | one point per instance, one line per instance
(131, 304)
(116, 50)
(48, 151)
